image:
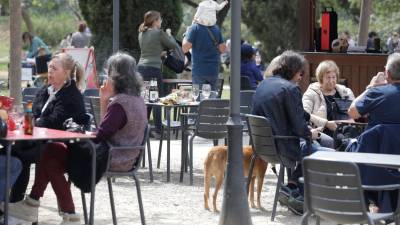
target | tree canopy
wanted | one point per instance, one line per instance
(98, 14)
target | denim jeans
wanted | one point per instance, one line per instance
(15, 169)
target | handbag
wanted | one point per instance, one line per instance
(174, 63)
(72, 126)
(342, 105)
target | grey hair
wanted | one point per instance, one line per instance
(289, 64)
(123, 72)
(393, 66)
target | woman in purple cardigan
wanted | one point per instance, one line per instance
(124, 120)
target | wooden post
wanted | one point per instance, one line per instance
(306, 25)
(14, 74)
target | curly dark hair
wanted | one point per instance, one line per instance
(122, 70)
(289, 64)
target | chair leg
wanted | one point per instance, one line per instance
(215, 142)
(144, 159)
(139, 196)
(191, 160)
(150, 161)
(85, 214)
(278, 186)
(110, 192)
(304, 218)
(160, 148)
(317, 220)
(249, 176)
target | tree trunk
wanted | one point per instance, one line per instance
(364, 22)
(14, 74)
(27, 19)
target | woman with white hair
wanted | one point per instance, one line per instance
(319, 99)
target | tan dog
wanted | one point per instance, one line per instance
(215, 165)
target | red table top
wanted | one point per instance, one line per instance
(40, 133)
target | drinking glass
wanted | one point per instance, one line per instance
(17, 114)
(206, 90)
(195, 91)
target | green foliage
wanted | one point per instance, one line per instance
(98, 14)
(272, 22)
(53, 30)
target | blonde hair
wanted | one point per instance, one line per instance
(75, 69)
(272, 66)
(323, 68)
(149, 18)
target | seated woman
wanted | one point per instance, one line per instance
(248, 65)
(124, 122)
(59, 100)
(319, 99)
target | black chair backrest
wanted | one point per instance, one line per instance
(333, 191)
(246, 101)
(212, 117)
(262, 139)
(95, 109)
(142, 147)
(29, 93)
(245, 83)
(90, 92)
(41, 63)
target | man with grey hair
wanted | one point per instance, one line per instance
(380, 101)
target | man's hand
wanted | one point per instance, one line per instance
(378, 80)
(331, 125)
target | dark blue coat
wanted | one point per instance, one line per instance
(384, 139)
(279, 100)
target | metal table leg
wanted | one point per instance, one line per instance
(7, 182)
(93, 183)
(168, 115)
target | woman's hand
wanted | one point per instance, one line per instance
(315, 133)
(106, 91)
(331, 125)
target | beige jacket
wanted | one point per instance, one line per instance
(314, 102)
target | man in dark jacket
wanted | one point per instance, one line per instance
(279, 100)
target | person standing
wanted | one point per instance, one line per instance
(207, 44)
(153, 41)
(80, 39)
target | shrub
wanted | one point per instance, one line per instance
(53, 30)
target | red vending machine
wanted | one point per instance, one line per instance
(328, 28)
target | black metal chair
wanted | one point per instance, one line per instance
(210, 124)
(95, 108)
(333, 192)
(90, 92)
(29, 93)
(245, 83)
(246, 105)
(220, 86)
(264, 147)
(132, 173)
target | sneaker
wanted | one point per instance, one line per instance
(70, 219)
(296, 202)
(155, 134)
(284, 194)
(27, 209)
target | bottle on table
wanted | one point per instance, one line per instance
(28, 119)
(153, 92)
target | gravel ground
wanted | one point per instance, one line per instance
(172, 203)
